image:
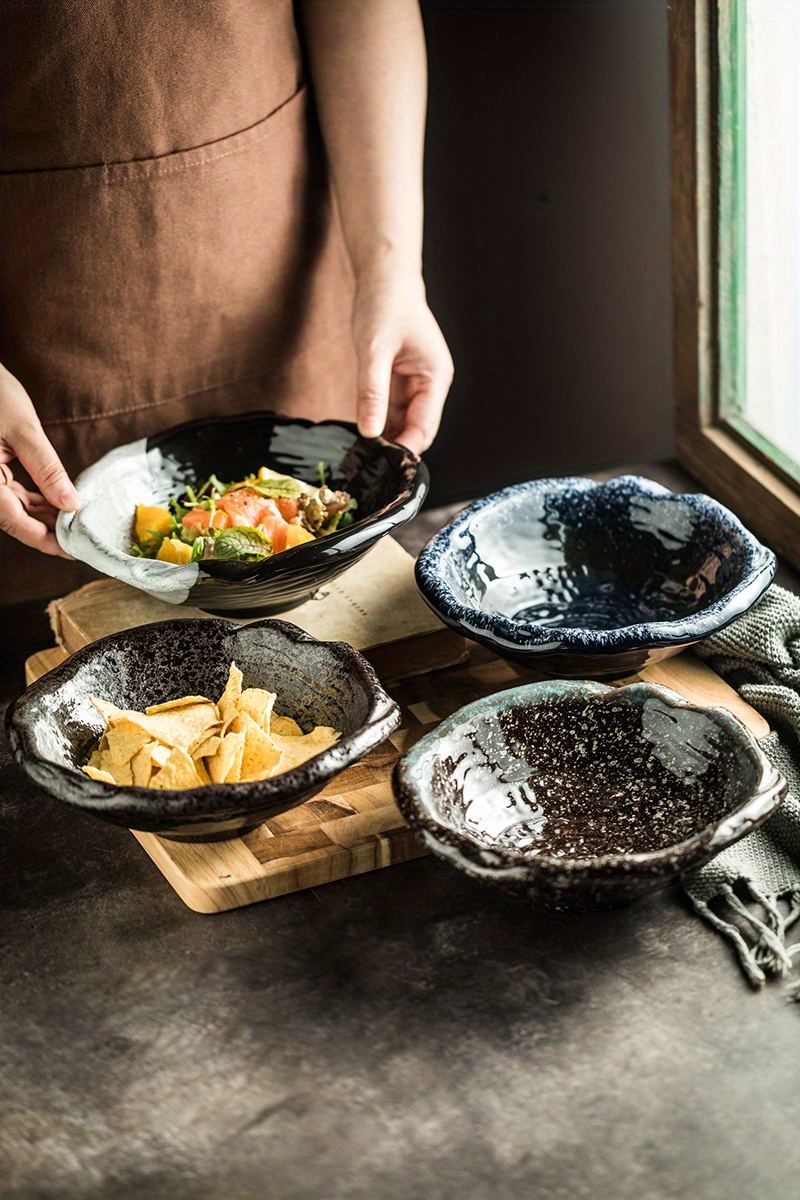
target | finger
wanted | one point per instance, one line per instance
(45, 468)
(40, 509)
(423, 414)
(401, 394)
(23, 526)
(43, 512)
(374, 376)
(36, 505)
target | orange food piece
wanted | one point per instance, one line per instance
(150, 519)
(288, 508)
(173, 550)
(296, 535)
(201, 518)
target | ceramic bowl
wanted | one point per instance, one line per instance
(388, 481)
(576, 578)
(53, 727)
(583, 796)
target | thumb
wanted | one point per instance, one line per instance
(374, 377)
(38, 457)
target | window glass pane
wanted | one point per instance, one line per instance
(765, 391)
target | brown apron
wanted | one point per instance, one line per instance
(173, 249)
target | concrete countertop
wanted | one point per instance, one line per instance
(399, 1035)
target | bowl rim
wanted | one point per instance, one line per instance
(398, 512)
(117, 802)
(514, 636)
(766, 795)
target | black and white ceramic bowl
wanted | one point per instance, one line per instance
(54, 727)
(584, 796)
(577, 578)
(387, 480)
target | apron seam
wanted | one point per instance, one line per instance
(175, 169)
(134, 408)
(124, 168)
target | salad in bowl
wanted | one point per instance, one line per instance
(250, 520)
(186, 515)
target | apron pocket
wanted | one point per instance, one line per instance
(132, 284)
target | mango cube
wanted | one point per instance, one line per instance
(173, 550)
(151, 519)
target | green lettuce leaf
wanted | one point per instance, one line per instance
(281, 488)
(242, 542)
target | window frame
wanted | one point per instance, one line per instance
(716, 446)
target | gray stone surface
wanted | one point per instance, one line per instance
(400, 1035)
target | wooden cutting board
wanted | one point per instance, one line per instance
(354, 825)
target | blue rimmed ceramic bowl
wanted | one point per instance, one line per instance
(584, 796)
(576, 578)
(388, 481)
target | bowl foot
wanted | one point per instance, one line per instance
(262, 610)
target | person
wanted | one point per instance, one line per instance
(194, 229)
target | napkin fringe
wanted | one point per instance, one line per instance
(768, 953)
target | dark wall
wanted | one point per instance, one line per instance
(547, 237)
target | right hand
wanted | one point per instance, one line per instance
(30, 516)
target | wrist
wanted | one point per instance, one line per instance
(387, 265)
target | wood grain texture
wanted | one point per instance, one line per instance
(354, 825)
(770, 507)
(733, 471)
(43, 661)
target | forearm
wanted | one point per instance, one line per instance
(369, 75)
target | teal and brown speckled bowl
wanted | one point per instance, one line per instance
(584, 796)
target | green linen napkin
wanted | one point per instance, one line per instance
(754, 885)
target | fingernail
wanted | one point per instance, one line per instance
(68, 500)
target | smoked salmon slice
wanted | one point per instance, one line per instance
(260, 512)
(201, 518)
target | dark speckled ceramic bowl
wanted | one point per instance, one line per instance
(583, 796)
(571, 577)
(53, 727)
(388, 481)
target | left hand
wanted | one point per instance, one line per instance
(404, 366)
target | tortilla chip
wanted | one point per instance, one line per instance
(108, 711)
(180, 727)
(120, 771)
(202, 773)
(260, 753)
(297, 750)
(190, 741)
(224, 763)
(285, 726)
(160, 754)
(204, 736)
(233, 690)
(100, 776)
(181, 702)
(204, 745)
(123, 741)
(142, 764)
(178, 772)
(235, 773)
(257, 703)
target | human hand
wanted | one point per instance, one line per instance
(30, 516)
(404, 366)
